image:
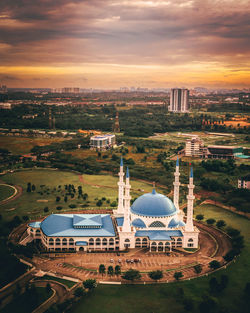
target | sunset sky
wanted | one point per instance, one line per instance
(113, 43)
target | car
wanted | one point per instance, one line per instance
(111, 261)
(131, 261)
(119, 261)
(127, 260)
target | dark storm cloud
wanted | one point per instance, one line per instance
(124, 32)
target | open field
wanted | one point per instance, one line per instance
(47, 181)
(6, 191)
(158, 298)
(209, 139)
(23, 145)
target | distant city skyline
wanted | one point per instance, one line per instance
(114, 43)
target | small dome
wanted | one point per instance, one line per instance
(153, 204)
(138, 223)
(175, 223)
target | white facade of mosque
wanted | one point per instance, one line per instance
(153, 221)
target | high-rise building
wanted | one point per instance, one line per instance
(194, 147)
(179, 100)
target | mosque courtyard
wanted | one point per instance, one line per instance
(213, 246)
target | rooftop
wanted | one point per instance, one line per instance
(62, 225)
(159, 234)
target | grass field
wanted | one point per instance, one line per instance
(23, 145)
(21, 305)
(6, 192)
(33, 203)
(164, 298)
(68, 283)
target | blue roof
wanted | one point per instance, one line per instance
(81, 243)
(138, 223)
(127, 173)
(61, 225)
(177, 161)
(153, 204)
(35, 224)
(175, 222)
(121, 163)
(159, 234)
(119, 220)
(84, 220)
(191, 172)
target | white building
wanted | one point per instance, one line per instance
(194, 147)
(102, 142)
(153, 221)
(179, 100)
(244, 182)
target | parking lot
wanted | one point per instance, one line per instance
(213, 245)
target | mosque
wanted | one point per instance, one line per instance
(153, 222)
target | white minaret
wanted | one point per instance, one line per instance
(190, 204)
(126, 227)
(121, 184)
(176, 184)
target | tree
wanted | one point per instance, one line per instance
(48, 288)
(178, 275)
(65, 199)
(214, 286)
(214, 264)
(58, 199)
(110, 270)
(25, 218)
(99, 203)
(220, 223)
(208, 305)
(224, 281)
(131, 275)
(28, 187)
(90, 284)
(79, 292)
(102, 269)
(198, 268)
(156, 275)
(200, 217)
(46, 209)
(210, 221)
(33, 187)
(117, 270)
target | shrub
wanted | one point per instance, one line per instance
(214, 264)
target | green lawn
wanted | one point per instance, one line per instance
(29, 204)
(164, 298)
(25, 304)
(6, 192)
(68, 283)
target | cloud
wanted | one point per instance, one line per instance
(211, 34)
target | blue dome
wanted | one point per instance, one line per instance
(138, 223)
(175, 223)
(153, 204)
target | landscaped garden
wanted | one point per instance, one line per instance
(180, 296)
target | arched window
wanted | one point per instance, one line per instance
(64, 242)
(127, 240)
(98, 242)
(138, 242)
(58, 241)
(167, 243)
(190, 243)
(157, 224)
(111, 241)
(104, 241)
(190, 240)
(51, 241)
(153, 246)
(71, 241)
(160, 246)
(179, 240)
(91, 241)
